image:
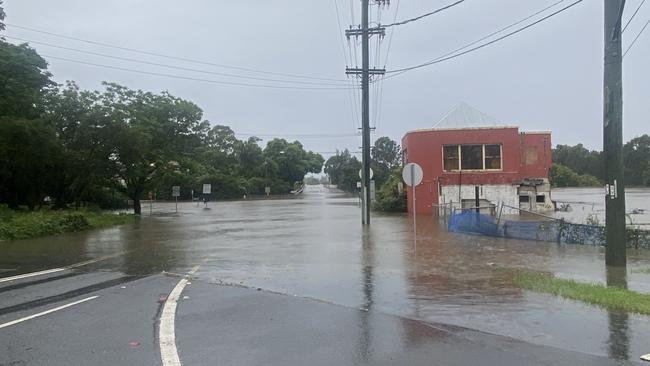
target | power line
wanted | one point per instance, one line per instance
(636, 38)
(443, 58)
(424, 15)
(170, 56)
(192, 78)
(351, 98)
(312, 135)
(633, 15)
(170, 66)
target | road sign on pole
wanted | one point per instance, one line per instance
(412, 175)
(176, 192)
(207, 189)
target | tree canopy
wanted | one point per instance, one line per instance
(78, 147)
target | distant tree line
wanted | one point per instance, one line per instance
(77, 147)
(343, 170)
(579, 166)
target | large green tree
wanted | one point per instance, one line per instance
(30, 156)
(151, 134)
(23, 81)
(343, 170)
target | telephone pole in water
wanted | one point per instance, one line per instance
(365, 32)
(613, 136)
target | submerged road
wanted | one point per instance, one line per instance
(293, 282)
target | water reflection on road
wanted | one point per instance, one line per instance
(315, 247)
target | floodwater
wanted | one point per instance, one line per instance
(314, 246)
(591, 201)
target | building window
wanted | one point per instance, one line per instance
(450, 154)
(493, 157)
(471, 157)
(524, 199)
(540, 198)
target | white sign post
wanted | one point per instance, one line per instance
(412, 175)
(267, 190)
(176, 192)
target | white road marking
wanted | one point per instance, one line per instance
(54, 270)
(14, 322)
(167, 332)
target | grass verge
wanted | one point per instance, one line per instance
(612, 298)
(23, 225)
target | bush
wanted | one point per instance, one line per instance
(388, 197)
(23, 225)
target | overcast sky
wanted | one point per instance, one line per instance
(548, 77)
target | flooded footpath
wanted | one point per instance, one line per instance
(314, 247)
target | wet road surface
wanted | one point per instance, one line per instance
(329, 292)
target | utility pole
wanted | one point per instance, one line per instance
(365, 32)
(613, 136)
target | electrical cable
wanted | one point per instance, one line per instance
(636, 38)
(424, 15)
(445, 58)
(170, 56)
(170, 66)
(633, 15)
(190, 78)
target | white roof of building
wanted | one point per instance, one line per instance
(465, 116)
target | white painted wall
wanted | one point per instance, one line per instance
(495, 193)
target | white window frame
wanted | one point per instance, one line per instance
(460, 158)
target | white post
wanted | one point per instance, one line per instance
(414, 209)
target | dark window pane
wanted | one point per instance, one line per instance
(471, 157)
(540, 198)
(492, 156)
(524, 199)
(450, 157)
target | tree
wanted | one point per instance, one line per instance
(562, 176)
(385, 157)
(580, 159)
(289, 162)
(82, 129)
(343, 170)
(151, 135)
(636, 155)
(30, 156)
(2, 17)
(386, 152)
(23, 81)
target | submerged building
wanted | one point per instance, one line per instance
(469, 152)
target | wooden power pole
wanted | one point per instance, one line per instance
(613, 136)
(365, 32)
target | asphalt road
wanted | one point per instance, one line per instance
(292, 283)
(118, 324)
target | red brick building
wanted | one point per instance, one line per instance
(469, 149)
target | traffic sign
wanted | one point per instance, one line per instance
(176, 191)
(361, 173)
(207, 189)
(412, 174)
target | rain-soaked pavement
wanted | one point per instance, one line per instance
(374, 296)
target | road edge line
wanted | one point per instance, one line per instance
(166, 330)
(17, 321)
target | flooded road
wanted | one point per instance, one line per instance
(314, 247)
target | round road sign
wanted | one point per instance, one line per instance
(412, 174)
(361, 173)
